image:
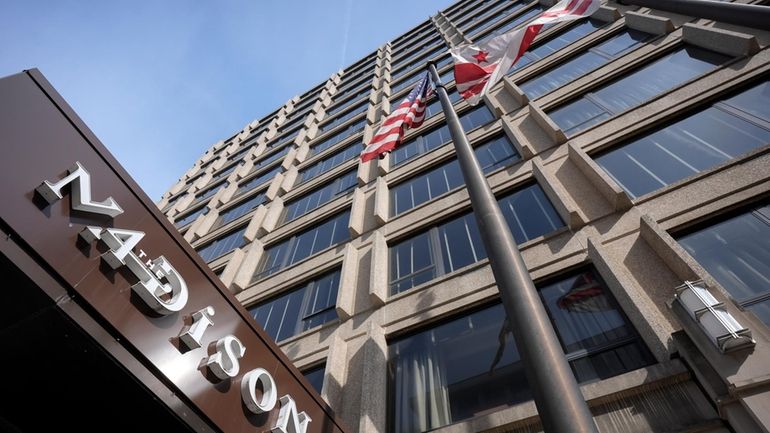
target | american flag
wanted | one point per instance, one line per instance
(409, 114)
(479, 66)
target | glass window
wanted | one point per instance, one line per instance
(302, 308)
(636, 88)
(315, 376)
(557, 42)
(223, 245)
(526, 16)
(258, 180)
(336, 138)
(584, 63)
(482, 23)
(265, 160)
(355, 111)
(448, 176)
(437, 137)
(461, 368)
(208, 192)
(190, 217)
(239, 210)
(303, 245)
(457, 243)
(330, 162)
(720, 133)
(298, 207)
(736, 252)
(226, 171)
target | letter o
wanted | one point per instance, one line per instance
(269, 391)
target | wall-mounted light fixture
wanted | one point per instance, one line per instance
(712, 317)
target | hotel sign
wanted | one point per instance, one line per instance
(69, 200)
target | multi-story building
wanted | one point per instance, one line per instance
(629, 154)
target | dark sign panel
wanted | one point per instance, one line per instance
(68, 199)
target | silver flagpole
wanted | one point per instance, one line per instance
(559, 401)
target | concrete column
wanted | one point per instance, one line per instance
(378, 276)
(346, 295)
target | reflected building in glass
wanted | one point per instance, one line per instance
(629, 155)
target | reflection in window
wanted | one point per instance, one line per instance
(329, 162)
(320, 196)
(301, 309)
(720, 133)
(592, 59)
(303, 245)
(258, 180)
(315, 376)
(427, 186)
(452, 372)
(336, 138)
(636, 88)
(457, 243)
(736, 252)
(229, 215)
(190, 217)
(223, 245)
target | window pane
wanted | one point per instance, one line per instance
(316, 377)
(736, 253)
(461, 368)
(303, 245)
(636, 87)
(754, 101)
(529, 214)
(411, 263)
(685, 148)
(460, 243)
(300, 309)
(448, 373)
(658, 77)
(222, 245)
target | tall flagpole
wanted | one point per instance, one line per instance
(559, 401)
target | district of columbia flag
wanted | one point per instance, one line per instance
(410, 113)
(479, 66)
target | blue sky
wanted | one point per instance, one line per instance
(160, 81)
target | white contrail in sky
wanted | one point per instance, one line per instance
(348, 12)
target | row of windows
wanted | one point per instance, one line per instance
(352, 129)
(490, 17)
(351, 151)
(303, 245)
(722, 132)
(228, 215)
(352, 112)
(463, 367)
(258, 180)
(635, 88)
(446, 177)
(437, 137)
(324, 194)
(457, 243)
(223, 245)
(438, 376)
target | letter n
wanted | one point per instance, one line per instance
(289, 421)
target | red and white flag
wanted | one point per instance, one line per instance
(409, 114)
(479, 66)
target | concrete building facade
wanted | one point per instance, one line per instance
(629, 154)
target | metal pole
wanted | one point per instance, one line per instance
(558, 398)
(756, 16)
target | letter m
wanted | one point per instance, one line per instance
(81, 193)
